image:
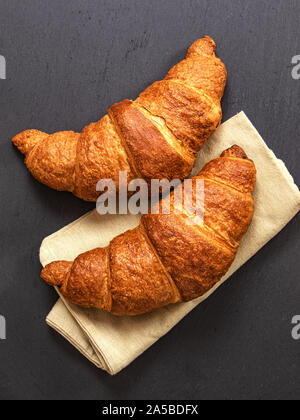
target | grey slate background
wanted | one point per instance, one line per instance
(67, 62)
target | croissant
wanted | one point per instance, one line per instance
(156, 136)
(166, 259)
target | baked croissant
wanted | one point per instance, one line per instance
(155, 137)
(166, 259)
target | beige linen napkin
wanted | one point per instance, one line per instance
(112, 343)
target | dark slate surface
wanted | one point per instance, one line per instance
(66, 63)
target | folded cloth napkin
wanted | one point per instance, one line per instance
(112, 343)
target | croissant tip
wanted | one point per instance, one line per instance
(18, 142)
(235, 151)
(210, 40)
(205, 45)
(55, 273)
(26, 140)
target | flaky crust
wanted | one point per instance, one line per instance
(156, 136)
(166, 259)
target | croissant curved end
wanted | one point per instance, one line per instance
(56, 272)
(26, 140)
(205, 45)
(235, 151)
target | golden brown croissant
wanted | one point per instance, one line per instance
(166, 259)
(155, 137)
